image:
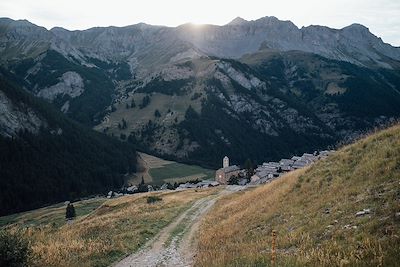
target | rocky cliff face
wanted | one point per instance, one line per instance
(71, 84)
(16, 117)
(261, 89)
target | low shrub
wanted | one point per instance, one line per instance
(14, 249)
(153, 199)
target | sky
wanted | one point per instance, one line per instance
(382, 17)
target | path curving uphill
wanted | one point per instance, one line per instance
(176, 244)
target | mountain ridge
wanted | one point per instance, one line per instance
(292, 89)
(299, 37)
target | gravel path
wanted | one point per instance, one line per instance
(175, 245)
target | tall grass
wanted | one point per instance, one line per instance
(117, 228)
(313, 211)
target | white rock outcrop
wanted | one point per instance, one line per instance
(71, 83)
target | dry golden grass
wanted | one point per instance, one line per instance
(237, 232)
(118, 227)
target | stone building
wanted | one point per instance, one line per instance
(222, 175)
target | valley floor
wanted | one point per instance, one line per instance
(157, 171)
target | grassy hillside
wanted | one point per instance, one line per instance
(314, 213)
(52, 215)
(113, 230)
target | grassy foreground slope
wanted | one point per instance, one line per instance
(53, 215)
(314, 213)
(101, 236)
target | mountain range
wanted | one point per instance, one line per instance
(262, 89)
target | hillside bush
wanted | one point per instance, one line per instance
(14, 249)
(153, 199)
(70, 211)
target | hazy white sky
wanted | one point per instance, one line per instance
(382, 17)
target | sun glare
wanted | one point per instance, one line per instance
(196, 24)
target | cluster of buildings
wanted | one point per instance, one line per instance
(201, 184)
(271, 170)
(262, 174)
(268, 170)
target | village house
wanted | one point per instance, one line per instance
(222, 175)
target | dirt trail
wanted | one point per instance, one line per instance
(175, 245)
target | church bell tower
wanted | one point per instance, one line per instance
(225, 162)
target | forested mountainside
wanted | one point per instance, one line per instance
(46, 157)
(261, 89)
(266, 106)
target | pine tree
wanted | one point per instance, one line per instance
(124, 124)
(133, 104)
(248, 165)
(70, 212)
(142, 186)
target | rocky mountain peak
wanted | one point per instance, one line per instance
(357, 26)
(58, 29)
(357, 30)
(237, 21)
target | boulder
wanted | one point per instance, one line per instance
(363, 212)
(164, 187)
(132, 188)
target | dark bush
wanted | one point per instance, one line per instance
(14, 249)
(153, 199)
(70, 212)
(233, 180)
(145, 102)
